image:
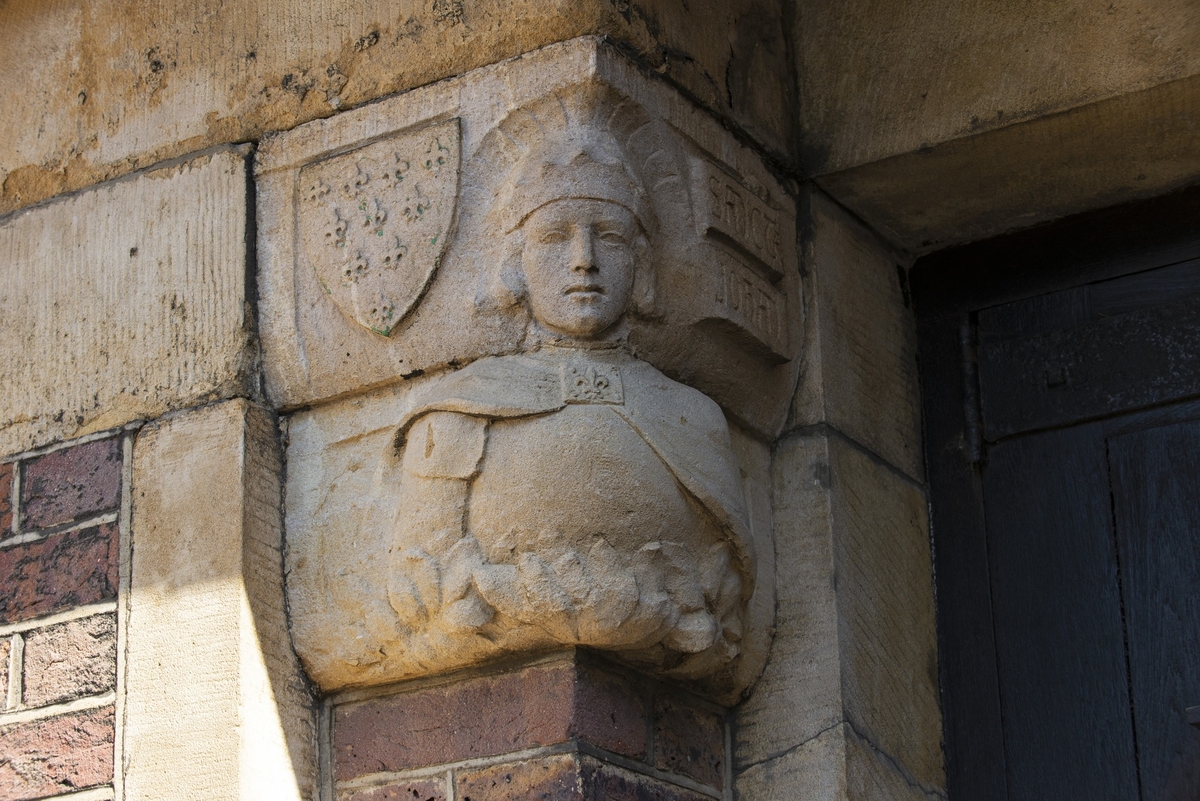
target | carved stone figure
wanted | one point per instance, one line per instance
(572, 494)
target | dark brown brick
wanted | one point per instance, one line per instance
(474, 718)
(70, 660)
(551, 778)
(604, 782)
(59, 572)
(415, 790)
(6, 474)
(56, 755)
(610, 712)
(70, 484)
(491, 715)
(689, 740)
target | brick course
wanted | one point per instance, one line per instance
(59, 572)
(56, 755)
(71, 660)
(551, 778)
(71, 484)
(540, 705)
(558, 722)
(565, 777)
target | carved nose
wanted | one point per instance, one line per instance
(583, 255)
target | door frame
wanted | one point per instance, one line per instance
(948, 289)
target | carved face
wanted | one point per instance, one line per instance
(579, 263)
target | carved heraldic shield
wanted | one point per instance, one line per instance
(375, 221)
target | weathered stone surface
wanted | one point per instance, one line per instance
(578, 202)
(861, 345)
(889, 666)
(71, 483)
(541, 705)
(1117, 150)
(58, 572)
(850, 532)
(720, 236)
(837, 765)
(689, 740)
(123, 87)
(932, 74)
(413, 790)
(6, 517)
(124, 301)
(799, 694)
(216, 704)
(70, 660)
(57, 755)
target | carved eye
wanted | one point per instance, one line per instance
(612, 237)
(555, 236)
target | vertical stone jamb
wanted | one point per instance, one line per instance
(215, 702)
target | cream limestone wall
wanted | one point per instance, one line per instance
(941, 124)
(125, 301)
(96, 89)
(215, 704)
(136, 299)
(848, 704)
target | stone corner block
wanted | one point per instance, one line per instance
(125, 301)
(855, 634)
(837, 765)
(860, 363)
(216, 703)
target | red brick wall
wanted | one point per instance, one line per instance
(58, 623)
(571, 729)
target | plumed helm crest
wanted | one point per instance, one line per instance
(586, 142)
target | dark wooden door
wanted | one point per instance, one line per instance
(1063, 442)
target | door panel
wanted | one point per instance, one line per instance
(1057, 611)
(1059, 368)
(1156, 509)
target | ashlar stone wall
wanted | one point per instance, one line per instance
(184, 408)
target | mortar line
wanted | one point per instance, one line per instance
(49, 531)
(644, 769)
(122, 606)
(54, 710)
(16, 672)
(64, 444)
(373, 780)
(91, 794)
(65, 616)
(15, 499)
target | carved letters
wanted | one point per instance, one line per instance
(730, 212)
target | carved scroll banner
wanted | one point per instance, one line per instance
(375, 221)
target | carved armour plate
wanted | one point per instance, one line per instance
(375, 221)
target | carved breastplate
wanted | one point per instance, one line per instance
(574, 476)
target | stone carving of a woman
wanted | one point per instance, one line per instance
(571, 494)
